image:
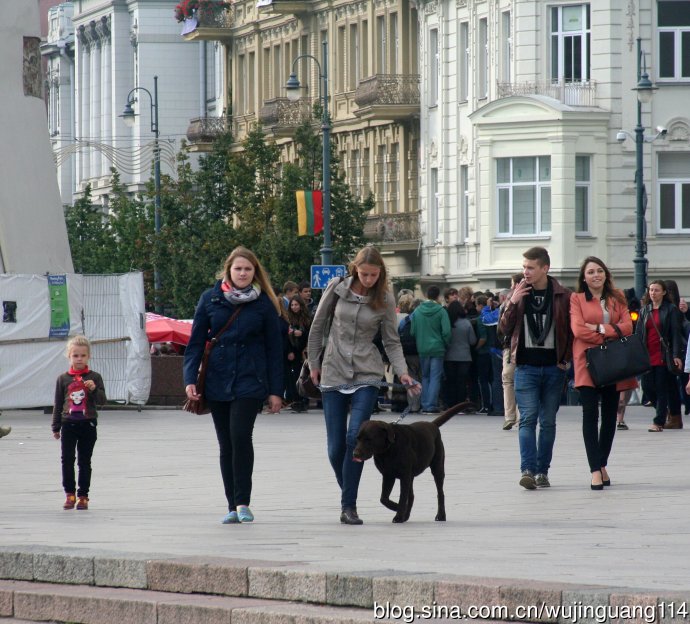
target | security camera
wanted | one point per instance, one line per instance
(621, 136)
(662, 130)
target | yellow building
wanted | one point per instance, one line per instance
(373, 85)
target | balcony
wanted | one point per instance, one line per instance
(569, 93)
(202, 131)
(281, 116)
(394, 229)
(388, 97)
(209, 24)
(285, 7)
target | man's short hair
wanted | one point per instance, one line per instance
(516, 278)
(303, 285)
(289, 286)
(448, 292)
(433, 293)
(538, 254)
(481, 300)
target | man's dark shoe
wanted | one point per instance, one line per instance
(508, 425)
(527, 480)
(542, 481)
(349, 516)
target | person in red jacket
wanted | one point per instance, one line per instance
(594, 310)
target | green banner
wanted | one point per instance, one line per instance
(59, 306)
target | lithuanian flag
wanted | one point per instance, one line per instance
(309, 212)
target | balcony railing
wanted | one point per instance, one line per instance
(393, 228)
(569, 93)
(388, 89)
(281, 112)
(206, 129)
(214, 17)
(209, 23)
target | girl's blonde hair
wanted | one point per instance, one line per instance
(78, 341)
(372, 256)
(260, 275)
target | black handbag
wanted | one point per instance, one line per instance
(618, 359)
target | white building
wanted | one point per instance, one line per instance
(98, 51)
(521, 105)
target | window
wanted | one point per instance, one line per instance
(674, 40)
(434, 212)
(355, 173)
(364, 40)
(506, 46)
(381, 180)
(582, 194)
(381, 43)
(393, 179)
(524, 195)
(366, 188)
(266, 72)
(241, 84)
(674, 192)
(341, 56)
(433, 67)
(464, 60)
(464, 218)
(250, 83)
(570, 37)
(393, 41)
(483, 60)
(354, 62)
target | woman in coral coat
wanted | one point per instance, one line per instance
(594, 309)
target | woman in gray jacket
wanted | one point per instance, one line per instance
(363, 304)
(458, 358)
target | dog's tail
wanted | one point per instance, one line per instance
(444, 417)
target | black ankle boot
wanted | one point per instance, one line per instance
(349, 516)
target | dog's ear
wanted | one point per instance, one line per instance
(390, 433)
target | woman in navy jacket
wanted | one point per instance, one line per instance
(245, 368)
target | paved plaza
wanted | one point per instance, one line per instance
(156, 489)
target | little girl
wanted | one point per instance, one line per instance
(77, 393)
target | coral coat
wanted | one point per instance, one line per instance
(583, 311)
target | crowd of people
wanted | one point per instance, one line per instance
(512, 353)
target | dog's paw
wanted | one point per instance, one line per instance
(440, 517)
(398, 519)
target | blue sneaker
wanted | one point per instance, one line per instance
(244, 514)
(230, 518)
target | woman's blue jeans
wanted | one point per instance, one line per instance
(341, 436)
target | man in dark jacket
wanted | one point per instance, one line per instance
(537, 319)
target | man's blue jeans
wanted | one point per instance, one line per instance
(341, 436)
(538, 392)
(432, 374)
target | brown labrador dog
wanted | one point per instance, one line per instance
(403, 452)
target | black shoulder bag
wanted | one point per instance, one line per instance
(617, 359)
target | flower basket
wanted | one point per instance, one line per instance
(204, 11)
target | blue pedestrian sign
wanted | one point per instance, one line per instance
(321, 274)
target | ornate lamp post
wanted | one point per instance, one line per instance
(128, 116)
(293, 93)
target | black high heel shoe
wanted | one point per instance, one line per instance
(606, 482)
(597, 486)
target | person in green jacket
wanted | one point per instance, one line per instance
(431, 329)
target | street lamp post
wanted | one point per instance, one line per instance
(128, 116)
(645, 90)
(293, 93)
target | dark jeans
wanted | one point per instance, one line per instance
(484, 377)
(667, 395)
(341, 436)
(598, 442)
(455, 386)
(234, 423)
(77, 441)
(497, 382)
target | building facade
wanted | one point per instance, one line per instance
(373, 82)
(96, 53)
(527, 137)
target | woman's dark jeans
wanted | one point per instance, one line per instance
(667, 395)
(455, 384)
(598, 441)
(341, 436)
(234, 423)
(77, 440)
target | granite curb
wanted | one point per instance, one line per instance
(298, 583)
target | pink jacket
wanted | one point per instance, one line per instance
(583, 311)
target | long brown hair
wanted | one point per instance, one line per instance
(372, 256)
(302, 318)
(647, 299)
(609, 291)
(260, 275)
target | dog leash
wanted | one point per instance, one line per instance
(379, 384)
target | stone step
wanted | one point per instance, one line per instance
(49, 602)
